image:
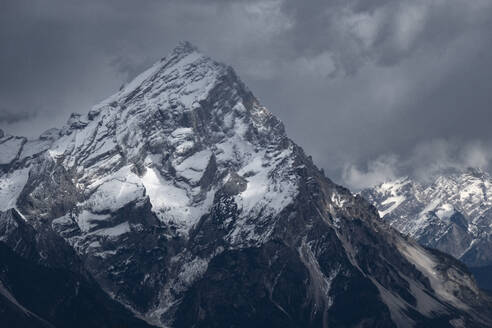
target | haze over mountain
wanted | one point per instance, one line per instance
(182, 198)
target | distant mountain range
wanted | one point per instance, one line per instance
(181, 202)
(452, 213)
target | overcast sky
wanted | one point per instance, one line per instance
(373, 89)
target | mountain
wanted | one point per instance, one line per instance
(452, 213)
(183, 198)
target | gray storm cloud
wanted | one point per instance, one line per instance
(360, 84)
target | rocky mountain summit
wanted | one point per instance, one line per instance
(184, 200)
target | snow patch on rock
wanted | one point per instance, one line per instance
(116, 192)
(11, 185)
(10, 149)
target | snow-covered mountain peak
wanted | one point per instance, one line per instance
(179, 129)
(179, 79)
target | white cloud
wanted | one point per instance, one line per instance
(250, 23)
(363, 26)
(476, 155)
(321, 65)
(432, 157)
(380, 170)
(409, 22)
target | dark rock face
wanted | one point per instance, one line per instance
(32, 295)
(182, 197)
(37, 195)
(266, 287)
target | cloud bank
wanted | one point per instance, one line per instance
(423, 163)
